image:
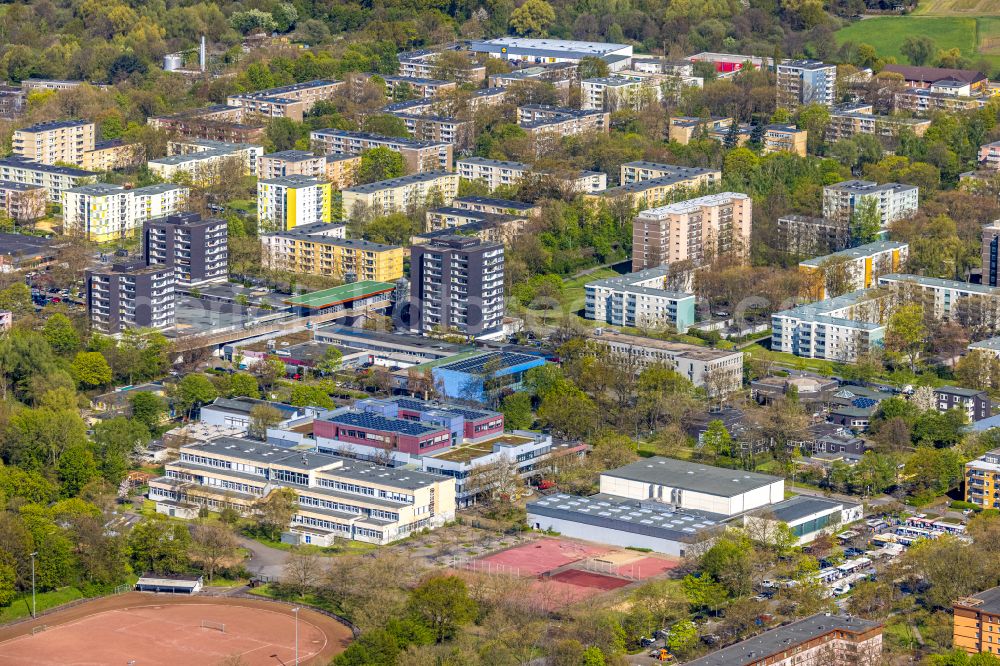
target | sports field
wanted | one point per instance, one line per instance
(162, 630)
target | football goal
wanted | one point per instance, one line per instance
(212, 624)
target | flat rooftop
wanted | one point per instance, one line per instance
(859, 252)
(684, 349)
(692, 476)
(692, 205)
(757, 649)
(425, 177)
(345, 292)
(616, 513)
(630, 283)
(557, 46)
(469, 452)
(502, 360)
(800, 506)
(940, 283)
(381, 423)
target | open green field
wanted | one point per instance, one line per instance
(977, 37)
(957, 8)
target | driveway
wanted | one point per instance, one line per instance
(263, 561)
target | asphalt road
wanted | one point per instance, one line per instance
(264, 560)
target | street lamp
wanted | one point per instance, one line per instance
(296, 611)
(33, 555)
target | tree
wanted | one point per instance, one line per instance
(386, 125)
(492, 482)
(683, 637)
(301, 571)
(253, 20)
(592, 67)
(147, 408)
(77, 468)
(268, 371)
(516, 409)
(193, 391)
(60, 334)
(814, 118)
(442, 604)
(716, 439)
(532, 18)
(332, 359)
(305, 395)
(379, 164)
(243, 384)
(159, 546)
(263, 417)
(91, 369)
(212, 546)
(906, 333)
(8, 584)
(119, 442)
(918, 49)
(702, 592)
(16, 299)
(274, 512)
(866, 221)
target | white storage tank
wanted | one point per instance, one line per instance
(173, 61)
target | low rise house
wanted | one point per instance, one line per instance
(974, 403)
(806, 516)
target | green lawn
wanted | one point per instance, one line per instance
(43, 600)
(817, 365)
(574, 292)
(887, 33)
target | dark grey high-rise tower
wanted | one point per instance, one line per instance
(130, 295)
(991, 253)
(196, 248)
(456, 283)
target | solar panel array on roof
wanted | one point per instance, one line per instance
(377, 422)
(421, 406)
(502, 360)
(864, 403)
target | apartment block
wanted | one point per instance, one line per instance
(848, 120)
(614, 93)
(341, 170)
(54, 179)
(497, 206)
(784, 138)
(337, 498)
(250, 154)
(973, 305)
(61, 141)
(640, 300)
(130, 295)
(13, 102)
(804, 235)
(939, 98)
(855, 268)
(291, 163)
(494, 173)
(194, 247)
(989, 156)
(420, 156)
(644, 193)
(423, 64)
(982, 487)
(895, 201)
(285, 203)
(398, 195)
(213, 123)
(683, 129)
(803, 82)
(494, 227)
(977, 616)
(206, 162)
(457, 284)
(640, 171)
(928, 77)
(697, 230)
(113, 156)
(106, 213)
(22, 203)
(830, 640)
(558, 121)
(285, 101)
(438, 128)
(835, 329)
(417, 87)
(719, 371)
(321, 249)
(974, 403)
(991, 254)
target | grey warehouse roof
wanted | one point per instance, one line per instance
(692, 476)
(800, 506)
(660, 521)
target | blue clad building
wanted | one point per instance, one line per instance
(466, 379)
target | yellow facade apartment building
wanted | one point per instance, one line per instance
(977, 623)
(321, 249)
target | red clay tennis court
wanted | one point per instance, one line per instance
(588, 579)
(539, 556)
(168, 634)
